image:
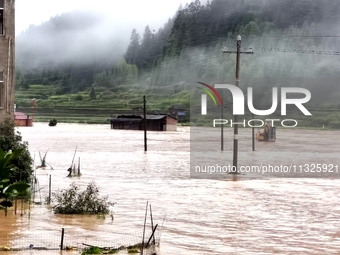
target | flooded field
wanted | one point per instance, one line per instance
(196, 216)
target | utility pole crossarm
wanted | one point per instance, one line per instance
(242, 52)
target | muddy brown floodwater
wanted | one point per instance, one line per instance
(196, 216)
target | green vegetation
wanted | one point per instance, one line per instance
(121, 99)
(53, 122)
(15, 165)
(10, 190)
(76, 201)
(96, 250)
(92, 250)
(11, 140)
(133, 251)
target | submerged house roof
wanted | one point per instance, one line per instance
(20, 116)
(127, 118)
(158, 116)
(141, 117)
(161, 122)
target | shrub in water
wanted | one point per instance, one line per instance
(76, 201)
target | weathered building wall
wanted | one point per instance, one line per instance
(171, 124)
(22, 120)
(7, 58)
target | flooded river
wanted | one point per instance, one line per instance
(195, 216)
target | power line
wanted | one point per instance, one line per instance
(304, 36)
(304, 51)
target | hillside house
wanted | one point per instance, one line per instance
(180, 112)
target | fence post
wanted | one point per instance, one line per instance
(15, 206)
(49, 190)
(62, 239)
(146, 212)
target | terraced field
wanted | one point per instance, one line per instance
(78, 107)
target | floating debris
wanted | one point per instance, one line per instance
(43, 161)
(72, 170)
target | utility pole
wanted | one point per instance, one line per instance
(238, 54)
(144, 111)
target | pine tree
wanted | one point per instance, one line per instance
(146, 47)
(132, 54)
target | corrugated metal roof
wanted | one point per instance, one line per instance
(129, 116)
(125, 119)
(140, 117)
(155, 117)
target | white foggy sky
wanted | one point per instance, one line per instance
(140, 12)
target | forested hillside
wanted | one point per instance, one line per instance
(293, 41)
(199, 25)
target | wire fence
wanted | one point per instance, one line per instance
(71, 240)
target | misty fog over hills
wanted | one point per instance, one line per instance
(77, 37)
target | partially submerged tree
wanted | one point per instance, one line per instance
(76, 201)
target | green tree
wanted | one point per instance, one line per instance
(133, 50)
(146, 48)
(8, 189)
(12, 140)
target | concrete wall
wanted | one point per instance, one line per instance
(7, 58)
